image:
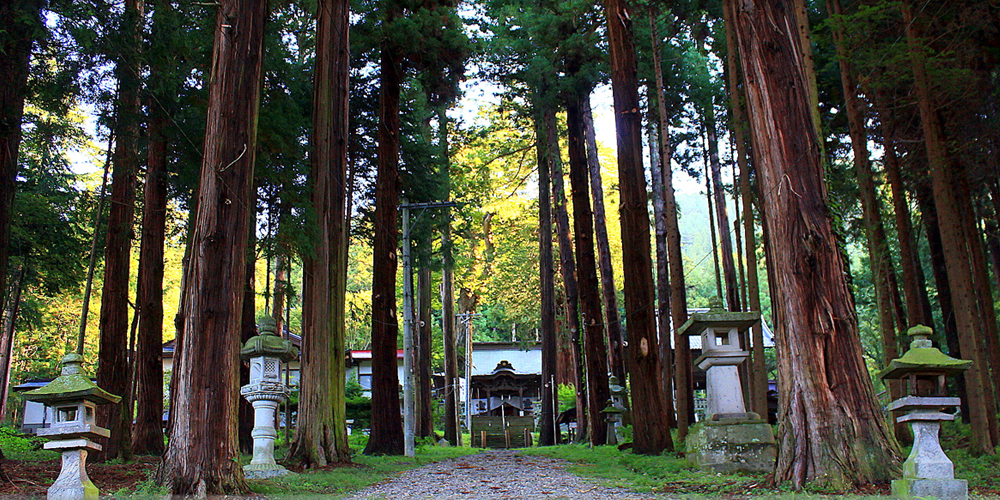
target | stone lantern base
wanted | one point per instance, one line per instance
(264, 471)
(942, 489)
(730, 445)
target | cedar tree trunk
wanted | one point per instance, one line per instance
(613, 327)
(112, 359)
(201, 457)
(387, 427)
(567, 265)
(596, 355)
(321, 434)
(147, 435)
(832, 430)
(547, 434)
(652, 435)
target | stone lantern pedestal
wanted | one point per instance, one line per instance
(927, 472)
(730, 438)
(74, 399)
(265, 392)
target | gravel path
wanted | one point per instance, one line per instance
(496, 474)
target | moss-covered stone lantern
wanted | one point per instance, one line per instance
(927, 472)
(265, 392)
(73, 398)
(730, 438)
(613, 418)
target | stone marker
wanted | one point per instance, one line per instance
(74, 399)
(730, 438)
(265, 392)
(927, 472)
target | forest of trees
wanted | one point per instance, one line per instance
(196, 166)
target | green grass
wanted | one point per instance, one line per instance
(26, 447)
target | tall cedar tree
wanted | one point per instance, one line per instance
(612, 323)
(592, 321)
(321, 435)
(958, 235)
(683, 384)
(832, 431)
(567, 267)
(387, 427)
(147, 435)
(202, 456)
(738, 127)
(547, 434)
(113, 371)
(652, 435)
(20, 25)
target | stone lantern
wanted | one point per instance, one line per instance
(730, 438)
(73, 399)
(927, 472)
(613, 417)
(619, 395)
(265, 392)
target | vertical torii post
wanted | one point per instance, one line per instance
(409, 413)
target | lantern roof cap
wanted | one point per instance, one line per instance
(71, 385)
(718, 317)
(923, 357)
(611, 408)
(269, 344)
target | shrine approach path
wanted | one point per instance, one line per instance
(495, 474)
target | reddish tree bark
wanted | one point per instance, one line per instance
(651, 433)
(387, 427)
(547, 433)
(147, 435)
(612, 323)
(596, 355)
(832, 428)
(321, 434)
(201, 457)
(567, 267)
(113, 370)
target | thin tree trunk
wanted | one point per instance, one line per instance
(147, 435)
(596, 355)
(9, 325)
(951, 197)
(651, 432)
(878, 245)
(683, 386)
(21, 24)
(732, 291)
(112, 359)
(832, 431)
(567, 266)
(918, 307)
(280, 288)
(451, 427)
(201, 457)
(320, 437)
(387, 428)
(712, 229)
(547, 433)
(613, 327)
(738, 124)
(925, 202)
(662, 272)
